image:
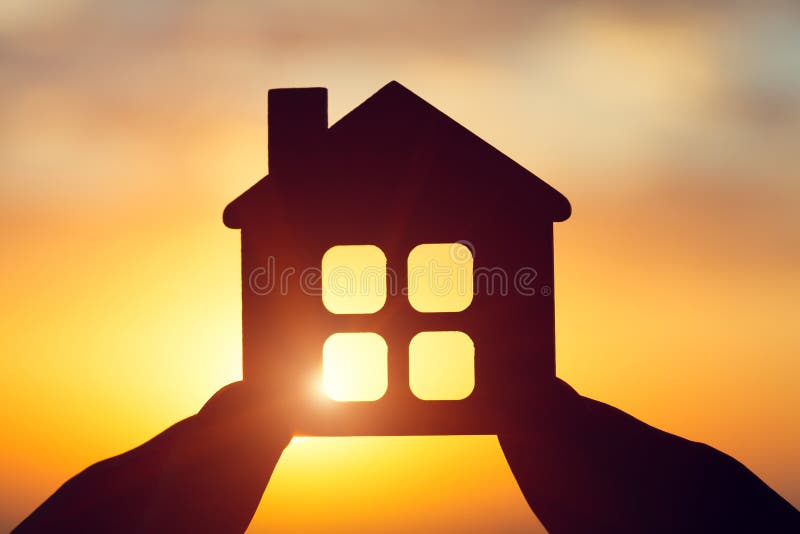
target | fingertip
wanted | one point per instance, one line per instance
(222, 395)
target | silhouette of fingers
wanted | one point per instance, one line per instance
(204, 474)
(589, 467)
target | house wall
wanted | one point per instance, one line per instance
(284, 329)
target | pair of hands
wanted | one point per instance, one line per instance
(582, 465)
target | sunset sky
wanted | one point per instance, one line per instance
(125, 129)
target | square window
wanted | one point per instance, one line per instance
(355, 366)
(354, 279)
(441, 365)
(440, 277)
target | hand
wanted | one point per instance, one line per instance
(204, 474)
(584, 466)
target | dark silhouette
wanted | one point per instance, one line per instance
(204, 474)
(583, 466)
(396, 173)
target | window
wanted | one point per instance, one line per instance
(355, 366)
(354, 279)
(440, 277)
(441, 365)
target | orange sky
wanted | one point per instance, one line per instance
(125, 130)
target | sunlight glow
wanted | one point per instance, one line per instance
(355, 366)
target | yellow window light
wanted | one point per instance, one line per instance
(440, 277)
(354, 279)
(441, 365)
(355, 366)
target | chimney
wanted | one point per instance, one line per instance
(297, 120)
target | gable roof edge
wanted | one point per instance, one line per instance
(232, 214)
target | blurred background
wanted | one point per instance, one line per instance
(125, 128)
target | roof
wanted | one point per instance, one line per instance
(395, 123)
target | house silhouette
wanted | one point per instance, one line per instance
(395, 172)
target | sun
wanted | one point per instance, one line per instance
(355, 366)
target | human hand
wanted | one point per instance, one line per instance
(206, 473)
(582, 465)
(585, 466)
